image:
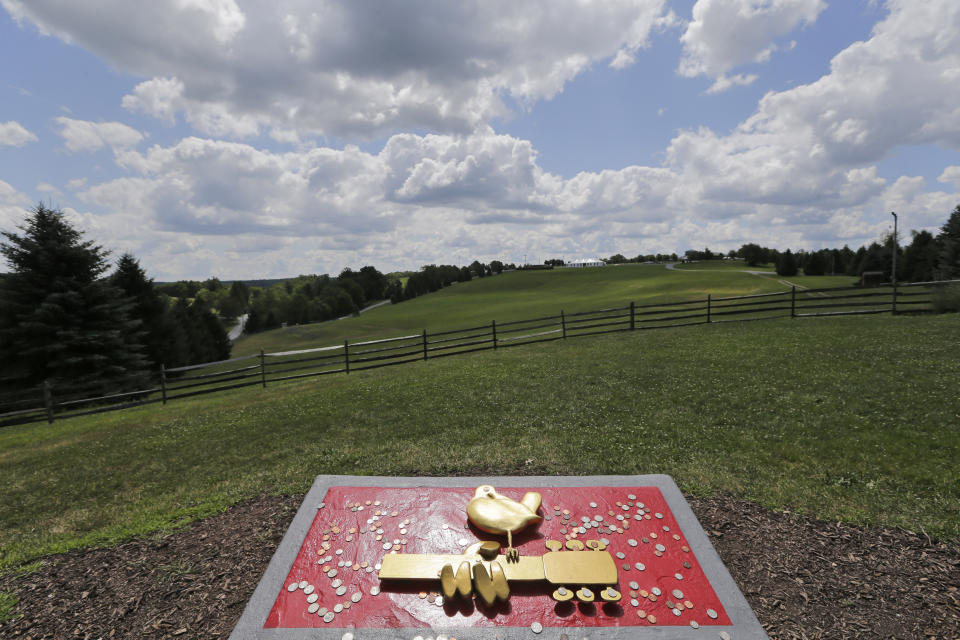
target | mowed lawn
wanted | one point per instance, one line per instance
(519, 295)
(850, 418)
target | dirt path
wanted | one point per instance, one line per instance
(804, 578)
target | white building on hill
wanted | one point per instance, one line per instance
(587, 262)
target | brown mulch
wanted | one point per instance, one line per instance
(804, 578)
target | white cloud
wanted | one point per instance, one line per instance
(14, 134)
(951, 175)
(83, 135)
(724, 82)
(13, 207)
(725, 34)
(347, 68)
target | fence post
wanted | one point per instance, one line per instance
(263, 370)
(632, 323)
(893, 308)
(163, 383)
(424, 344)
(493, 328)
(346, 355)
(708, 308)
(563, 324)
(793, 301)
(48, 400)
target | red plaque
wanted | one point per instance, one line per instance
(357, 526)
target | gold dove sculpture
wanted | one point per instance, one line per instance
(491, 512)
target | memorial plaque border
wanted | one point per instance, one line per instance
(745, 624)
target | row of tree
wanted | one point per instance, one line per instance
(926, 258)
(65, 320)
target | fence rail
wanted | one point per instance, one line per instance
(61, 401)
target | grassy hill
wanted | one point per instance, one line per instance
(520, 295)
(852, 418)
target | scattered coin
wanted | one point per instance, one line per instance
(678, 576)
(621, 555)
(711, 614)
(676, 612)
(634, 585)
(658, 515)
(309, 589)
(332, 573)
(652, 619)
(336, 583)
(337, 608)
(374, 591)
(347, 636)
(694, 624)
(303, 584)
(641, 613)
(634, 602)
(292, 586)
(724, 635)
(312, 598)
(688, 604)
(439, 601)
(593, 505)
(677, 594)
(626, 566)
(640, 566)
(659, 547)
(632, 542)
(356, 597)
(656, 591)
(631, 496)
(340, 591)
(313, 607)
(536, 627)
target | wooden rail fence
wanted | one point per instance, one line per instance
(63, 401)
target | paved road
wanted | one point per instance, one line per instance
(673, 267)
(365, 309)
(238, 328)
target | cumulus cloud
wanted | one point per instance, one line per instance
(951, 175)
(14, 134)
(83, 135)
(347, 68)
(725, 34)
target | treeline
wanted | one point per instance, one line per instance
(65, 318)
(432, 278)
(927, 257)
(316, 298)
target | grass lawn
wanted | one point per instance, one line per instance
(854, 418)
(519, 295)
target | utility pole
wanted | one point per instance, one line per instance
(893, 275)
(895, 245)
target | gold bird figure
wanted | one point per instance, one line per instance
(494, 513)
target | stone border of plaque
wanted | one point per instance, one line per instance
(744, 623)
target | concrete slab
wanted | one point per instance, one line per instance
(651, 531)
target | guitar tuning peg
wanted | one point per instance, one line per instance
(574, 545)
(596, 545)
(554, 545)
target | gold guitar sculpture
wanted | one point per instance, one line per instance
(482, 568)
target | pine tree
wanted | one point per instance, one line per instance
(59, 320)
(948, 262)
(787, 264)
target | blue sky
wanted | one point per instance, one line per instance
(228, 138)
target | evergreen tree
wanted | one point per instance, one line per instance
(920, 258)
(948, 262)
(148, 307)
(59, 320)
(787, 264)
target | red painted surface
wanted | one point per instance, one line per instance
(438, 525)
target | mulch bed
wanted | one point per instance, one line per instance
(804, 578)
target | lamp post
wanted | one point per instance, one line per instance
(895, 243)
(893, 275)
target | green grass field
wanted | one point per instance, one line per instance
(855, 418)
(520, 295)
